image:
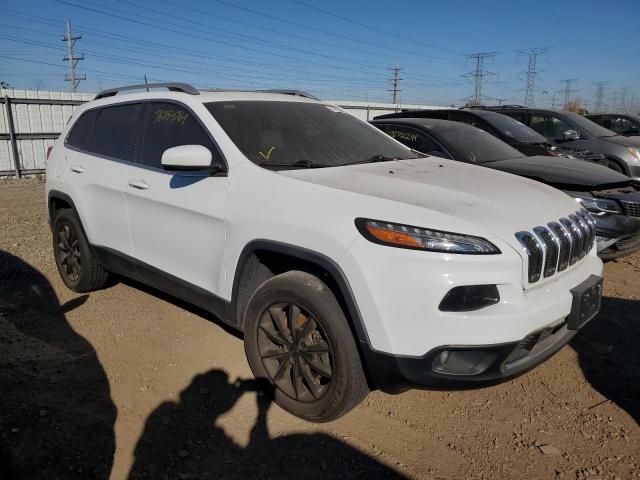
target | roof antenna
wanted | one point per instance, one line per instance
(145, 81)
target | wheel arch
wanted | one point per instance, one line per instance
(618, 161)
(263, 259)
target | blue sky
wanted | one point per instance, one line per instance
(335, 49)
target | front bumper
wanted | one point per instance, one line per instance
(478, 365)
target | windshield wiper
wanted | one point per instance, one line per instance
(374, 159)
(296, 164)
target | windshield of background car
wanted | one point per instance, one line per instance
(474, 145)
(512, 128)
(283, 133)
(592, 128)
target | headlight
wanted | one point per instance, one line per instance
(635, 152)
(599, 206)
(405, 236)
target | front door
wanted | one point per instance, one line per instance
(176, 219)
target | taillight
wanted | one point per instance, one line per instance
(48, 152)
(551, 153)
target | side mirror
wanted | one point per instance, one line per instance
(186, 157)
(570, 135)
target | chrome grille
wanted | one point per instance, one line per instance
(552, 248)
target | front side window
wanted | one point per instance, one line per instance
(80, 134)
(299, 134)
(624, 126)
(549, 126)
(116, 130)
(170, 125)
(474, 145)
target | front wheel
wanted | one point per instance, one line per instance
(297, 337)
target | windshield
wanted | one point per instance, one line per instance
(512, 128)
(475, 145)
(302, 135)
(592, 128)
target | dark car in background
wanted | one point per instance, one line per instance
(612, 198)
(623, 124)
(571, 131)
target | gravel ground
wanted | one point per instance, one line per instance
(130, 383)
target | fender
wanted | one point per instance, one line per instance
(315, 258)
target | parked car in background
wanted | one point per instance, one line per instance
(515, 133)
(622, 124)
(571, 131)
(348, 260)
(612, 198)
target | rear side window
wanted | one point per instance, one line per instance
(170, 125)
(80, 134)
(116, 130)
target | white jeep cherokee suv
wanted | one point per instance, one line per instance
(349, 261)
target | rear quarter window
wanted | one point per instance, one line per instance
(80, 134)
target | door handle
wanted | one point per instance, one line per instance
(76, 168)
(139, 184)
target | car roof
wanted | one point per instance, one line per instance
(433, 124)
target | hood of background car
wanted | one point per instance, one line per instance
(463, 196)
(624, 141)
(561, 171)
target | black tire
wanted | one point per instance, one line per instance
(615, 165)
(321, 376)
(74, 258)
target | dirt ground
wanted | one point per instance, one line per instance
(130, 383)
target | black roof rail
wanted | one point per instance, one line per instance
(172, 86)
(297, 93)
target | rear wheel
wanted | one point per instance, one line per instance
(75, 261)
(297, 337)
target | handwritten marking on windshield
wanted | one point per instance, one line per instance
(177, 117)
(266, 157)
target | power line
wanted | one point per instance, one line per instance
(73, 78)
(395, 81)
(376, 29)
(478, 74)
(532, 53)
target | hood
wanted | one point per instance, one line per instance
(459, 197)
(561, 172)
(624, 141)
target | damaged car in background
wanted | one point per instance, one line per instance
(613, 199)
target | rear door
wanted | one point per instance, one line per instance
(176, 218)
(102, 144)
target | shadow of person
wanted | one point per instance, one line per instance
(181, 441)
(608, 353)
(56, 413)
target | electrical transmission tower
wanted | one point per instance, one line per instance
(599, 97)
(567, 89)
(478, 74)
(623, 100)
(395, 82)
(72, 77)
(532, 53)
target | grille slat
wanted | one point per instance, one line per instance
(557, 245)
(631, 209)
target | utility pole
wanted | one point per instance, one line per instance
(615, 102)
(567, 89)
(599, 97)
(478, 74)
(395, 81)
(72, 77)
(532, 53)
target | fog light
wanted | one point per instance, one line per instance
(469, 297)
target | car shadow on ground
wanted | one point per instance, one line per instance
(609, 353)
(181, 440)
(56, 413)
